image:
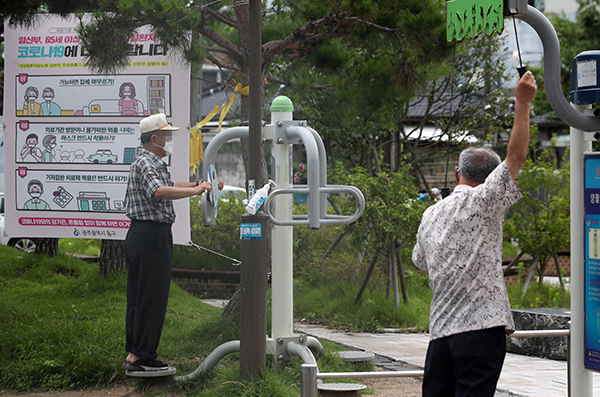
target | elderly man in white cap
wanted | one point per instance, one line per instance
(149, 242)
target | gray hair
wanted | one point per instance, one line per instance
(48, 139)
(145, 137)
(476, 163)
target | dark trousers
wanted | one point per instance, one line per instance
(149, 255)
(465, 364)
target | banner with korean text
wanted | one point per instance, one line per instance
(71, 134)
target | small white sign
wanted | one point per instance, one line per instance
(586, 73)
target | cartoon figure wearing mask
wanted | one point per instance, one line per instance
(30, 148)
(49, 143)
(30, 106)
(35, 189)
(128, 105)
(49, 107)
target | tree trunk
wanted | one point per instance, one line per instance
(394, 272)
(394, 152)
(513, 262)
(112, 257)
(333, 245)
(558, 271)
(402, 279)
(389, 271)
(46, 246)
(531, 272)
(366, 280)
(233, 310)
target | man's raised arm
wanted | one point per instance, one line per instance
(518, 144)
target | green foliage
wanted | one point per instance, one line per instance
(90, 247)
(24, 13)
(575, 37)
(321, 298)
(63, 329)
(108, 51)
(63, 326)
(391, 210)
(105, 35)
(472, 92)
(58, 319)
(509, 250)
(540, 104)
(370, 130)
(223, 238)
(540, 221)
(538, 295)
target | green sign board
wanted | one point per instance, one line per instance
(469, 18)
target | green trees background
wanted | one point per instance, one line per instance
(352, 69)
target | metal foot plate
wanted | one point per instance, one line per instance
(152, 374)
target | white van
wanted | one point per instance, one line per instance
(26, 244)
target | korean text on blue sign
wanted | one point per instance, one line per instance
(250, 231)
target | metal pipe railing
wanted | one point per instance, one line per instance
(540, 332)
(361, 375)
(309, 373)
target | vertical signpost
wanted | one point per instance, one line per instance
(592, 261)
(71, 134)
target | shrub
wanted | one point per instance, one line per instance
(223, 238)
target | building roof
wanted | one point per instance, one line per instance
(219, 97)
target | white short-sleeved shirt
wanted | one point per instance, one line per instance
(459, 243)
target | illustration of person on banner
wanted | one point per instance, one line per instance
(30, 106)
(49, 143)
(35, 189)
(49, 107)
(128, 105)
(30, 148)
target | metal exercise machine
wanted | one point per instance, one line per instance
(283, 132)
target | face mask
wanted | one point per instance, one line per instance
(168, 148)
(35, 194)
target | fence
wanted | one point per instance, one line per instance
(309, 373)
(207, 283)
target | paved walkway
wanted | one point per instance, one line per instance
(521, 375)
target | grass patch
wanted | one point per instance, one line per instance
(333, 304)
(89, 247)
(544, 295)
(63, 329)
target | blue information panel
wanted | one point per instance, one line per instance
(250, 231)
(592, 262)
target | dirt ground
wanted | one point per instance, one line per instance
(382, 387)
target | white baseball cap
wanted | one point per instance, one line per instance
(155, 122)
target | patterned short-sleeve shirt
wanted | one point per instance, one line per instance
(148, 173)
(459, 243)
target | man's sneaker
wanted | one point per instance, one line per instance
(144, 365)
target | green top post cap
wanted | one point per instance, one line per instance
(282, 104)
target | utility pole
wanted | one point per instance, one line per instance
(253, 321)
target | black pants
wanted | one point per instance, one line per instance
(149, 255)
(466, 364)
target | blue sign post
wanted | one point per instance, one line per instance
(592, 261)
